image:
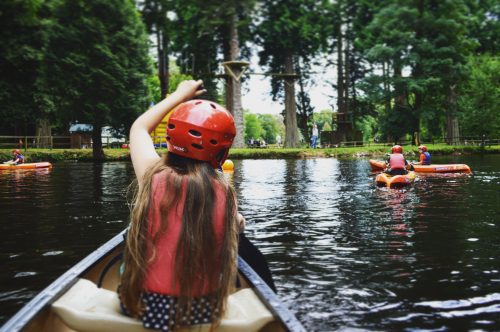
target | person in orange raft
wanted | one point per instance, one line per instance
(425, 156)
(396, 163)
(17, 158)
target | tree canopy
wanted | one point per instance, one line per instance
(416, 69)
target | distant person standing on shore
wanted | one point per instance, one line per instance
(314, 137)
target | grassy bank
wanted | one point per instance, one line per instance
(35, 155)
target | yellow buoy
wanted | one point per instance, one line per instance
(228, 166)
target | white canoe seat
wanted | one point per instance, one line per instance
(84, 307)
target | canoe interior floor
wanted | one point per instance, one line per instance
(48, 321)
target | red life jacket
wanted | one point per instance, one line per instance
(397, 161)
(160, 274)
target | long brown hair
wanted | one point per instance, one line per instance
(195, 254)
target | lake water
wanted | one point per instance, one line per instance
(344, 253)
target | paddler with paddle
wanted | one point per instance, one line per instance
(17, 159)
(396, 163)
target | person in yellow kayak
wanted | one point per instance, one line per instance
(17, 158)
(396, 163)
(181, 250)
(425, 156)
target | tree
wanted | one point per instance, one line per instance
(479, 96)
(236, 11)
(98, 64)
(388, 41)
(324, 120)
(155, 16)
(253, 128)
(270, 127)
(304, 111)
(484, 25)
(23, 34)
(290, 33)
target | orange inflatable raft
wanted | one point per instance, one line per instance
(26, 166)
(396, 181)
(377, 166)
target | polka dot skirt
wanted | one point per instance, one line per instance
(160, 311)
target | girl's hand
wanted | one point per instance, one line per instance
(189, 89)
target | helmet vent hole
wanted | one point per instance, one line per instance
(171, 126)
(198, 102)
(195, 133)
(213, 106)
(214, 142)
(168, 138)
(197, 146)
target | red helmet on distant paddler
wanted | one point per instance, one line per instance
(201, 130)
(16, 151)
(423, 148)
(397, 149)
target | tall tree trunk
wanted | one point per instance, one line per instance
(291, 137)
(97, 151)
(340, 71)
(303, 116)
(43, 132)
(387, 95)
(163, 65)
(418, 73)
(346, 71)
(452, 128)
(233, 90)
(400, 103)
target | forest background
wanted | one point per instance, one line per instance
(414, 69)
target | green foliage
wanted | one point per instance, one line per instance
(271, 127)
(480, 96)
(484, 25)
(23, 36)
(265, 126)
(290, 27)
(97, 63)
(253, 128)
(324, 120)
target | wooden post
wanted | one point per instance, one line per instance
(234, 71)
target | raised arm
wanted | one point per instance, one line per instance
(142, 150)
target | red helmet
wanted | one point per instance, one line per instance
(423, 148)
(16, 151)
(397, 149)
(201, 130)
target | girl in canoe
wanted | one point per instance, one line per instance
(180, 256)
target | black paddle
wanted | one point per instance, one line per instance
(256, 260)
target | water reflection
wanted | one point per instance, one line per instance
(51, 219)
(348, 255)
(345, 254)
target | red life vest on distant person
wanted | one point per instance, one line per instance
(160, 274)
(397, 161)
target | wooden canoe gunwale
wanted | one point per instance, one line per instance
(48, 295)
(51, 293)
